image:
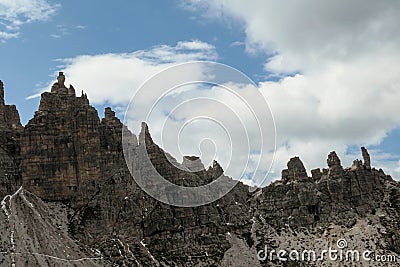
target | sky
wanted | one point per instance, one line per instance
(329, 70)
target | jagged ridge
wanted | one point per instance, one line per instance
(67, 156)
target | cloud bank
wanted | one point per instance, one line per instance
(339, 63)
(114, 77)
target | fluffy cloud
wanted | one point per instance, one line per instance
(302, 35)
(114, 78)
(14, 13)
(7, 35)
(339, 63)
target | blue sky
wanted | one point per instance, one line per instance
(90, 28)
(330, 71)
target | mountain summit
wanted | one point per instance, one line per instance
(68, 199)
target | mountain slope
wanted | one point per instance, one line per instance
(32, 234)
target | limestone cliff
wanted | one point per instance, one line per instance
(61, 145)
(70, 155)
(80, 206)
(10, 160)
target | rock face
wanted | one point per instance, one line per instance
(61, 145)
(70, 155)
(10, 160)
(9, 116)
(334, 198)
(187, 236)
(359, 190)
(78, 193)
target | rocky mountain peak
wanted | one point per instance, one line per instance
(193, 163)
(9, 115)
(109, 114)
(60, 88)
(334, 164)
(366, 157)
(333, 160)
(359, 190)
(295, 171)
(110, 118)
(144, 136)
(60, 101)
(61, 144)
(79, 200)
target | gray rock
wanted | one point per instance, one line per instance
(295, 171)
(77, 193)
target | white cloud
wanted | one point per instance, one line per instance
(348, 59)
(304, 34)
(113, 78)
(6, 35)
(15, 13)
(182, 52)
(194, 45)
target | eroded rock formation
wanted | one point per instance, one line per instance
(366, 157)
(359, 190)
(295, 171)
(70, 155)
(61, 145)
(73, 160)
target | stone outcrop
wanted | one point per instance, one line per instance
(295, 171)
(60, 88)
(334, 164)
(359, 191)
(366, 157)
(9, 116)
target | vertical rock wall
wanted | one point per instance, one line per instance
(61, 145)
(10, 160)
